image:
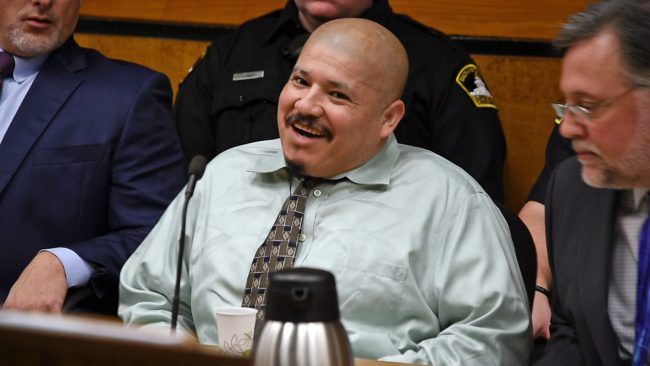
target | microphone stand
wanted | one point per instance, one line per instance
(195, 172)
(179, 266)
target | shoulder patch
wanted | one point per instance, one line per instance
(471, 81)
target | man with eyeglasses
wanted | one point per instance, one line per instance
(596, 202)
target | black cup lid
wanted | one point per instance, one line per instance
(302, 295)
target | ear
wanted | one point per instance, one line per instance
(392, 116)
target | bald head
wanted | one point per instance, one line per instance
(342, 101)
(384, 59)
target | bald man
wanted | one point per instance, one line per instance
(425, 274)
(230, 96)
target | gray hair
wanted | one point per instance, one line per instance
(629, 19)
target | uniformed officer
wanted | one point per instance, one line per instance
(230, 96)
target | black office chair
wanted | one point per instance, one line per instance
(524, 249)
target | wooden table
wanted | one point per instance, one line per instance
(28, 339)
(364, 362)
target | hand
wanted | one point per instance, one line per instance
(41, 287)
(541, 316)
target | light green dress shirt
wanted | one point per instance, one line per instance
(423, 260)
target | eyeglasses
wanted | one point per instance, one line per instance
(582, 113)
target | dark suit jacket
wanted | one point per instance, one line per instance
(89, 162)
(579, 229)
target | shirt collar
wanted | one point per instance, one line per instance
(376, 171)
(639, 194)
(26, 67)
(378, 12)
(288, 19)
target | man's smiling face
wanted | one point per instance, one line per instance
(335, 113)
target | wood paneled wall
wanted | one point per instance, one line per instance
(523, 86)
(499, 18)
(172, 57)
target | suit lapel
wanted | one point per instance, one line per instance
(55, 83)
(595, 261)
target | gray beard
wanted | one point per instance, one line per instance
(33, 45)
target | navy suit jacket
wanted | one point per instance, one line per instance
(89, 162)
(580, 228)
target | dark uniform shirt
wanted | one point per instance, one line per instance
(558, 149)
(230, 97)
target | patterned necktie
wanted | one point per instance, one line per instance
(6, 67)
(279, 249)
(642, 326)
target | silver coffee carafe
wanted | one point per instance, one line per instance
(301, 324)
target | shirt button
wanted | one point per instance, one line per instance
(317, 193)
(302, 237)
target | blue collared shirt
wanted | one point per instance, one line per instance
(15, 89)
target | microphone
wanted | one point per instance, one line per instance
(194, 173)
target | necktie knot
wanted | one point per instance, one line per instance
(6, 67)
(311, 182)
(6, 64)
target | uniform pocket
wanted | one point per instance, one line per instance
(244, 111)
(236, 94)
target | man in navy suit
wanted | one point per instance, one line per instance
(89, 160)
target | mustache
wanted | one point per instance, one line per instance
(311, 121)
(583, 146)
(297, 117)
(39, 12)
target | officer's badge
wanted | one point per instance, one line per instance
(471, 81)
(249, 75)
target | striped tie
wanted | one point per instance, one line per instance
(6, 67)
(279, 249)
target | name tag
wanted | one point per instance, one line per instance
(247, 75)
